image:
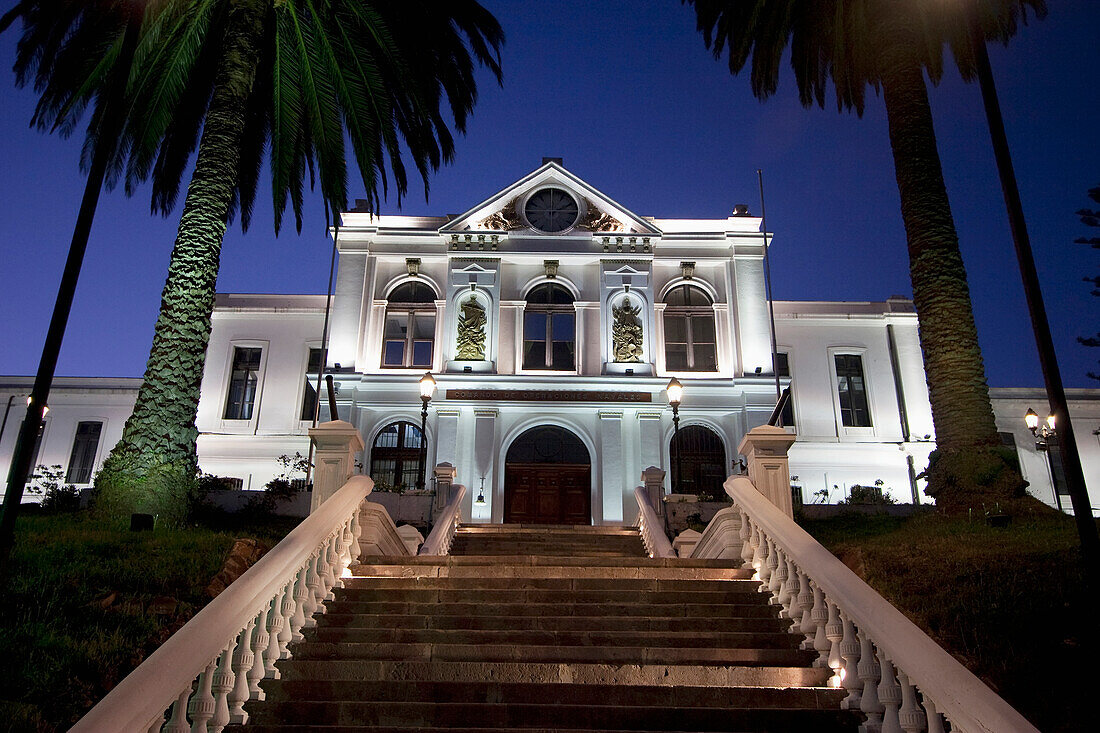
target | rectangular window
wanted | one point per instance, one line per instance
(783, 368)
(1008, 440)
(82, 459)
(37, 448)
(243, 382)
(1057, 470)
(854, 412)
(309, 399)
(407, 339)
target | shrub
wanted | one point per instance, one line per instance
(868, 495)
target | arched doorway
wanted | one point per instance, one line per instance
(547, 478)
(703, 458)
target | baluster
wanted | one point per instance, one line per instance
(819, 617)
(328, 554)
(177, 721)
(201, 707)
(910, 716)
(745, 535)
(157, 725)
(301, 593)
(778, 576)
(806, 604)
(758, 553)
(274, 626)
(834, 632)
(935, 720)
(356, 533)
(259, 645)
(789, 593)
(314, 594)
(869, 672)
(849, 649)
(243, 659)
(889, 694)
(764, 571)
(220, 685)
(343, 553)
(286, 613)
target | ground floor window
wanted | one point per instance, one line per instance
(699, 452)
(395, 457)
(82, 459)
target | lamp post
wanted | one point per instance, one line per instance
(675, 394)
(1040, 325)
(1045, 437)
(427, 389)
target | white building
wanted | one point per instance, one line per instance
(552, 319)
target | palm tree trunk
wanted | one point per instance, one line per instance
(966, 434)
(154, 461)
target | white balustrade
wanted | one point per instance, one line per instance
(446, 525)
(650, 527)
(205, 672)
(893, 672)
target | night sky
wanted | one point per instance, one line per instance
(628, 96)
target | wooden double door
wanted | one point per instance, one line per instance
(547, 493)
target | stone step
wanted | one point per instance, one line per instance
(551, 560)
(490, 582)
(811, 698)
(673, 610)
(501, 596)
(808, 698)
(276, 728)
(457, 652)
(546, 529)
(525, 715)
(647, 624)
(489, 569)
(661, 675)
(578, 637)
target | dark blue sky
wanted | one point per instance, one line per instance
(626, 93)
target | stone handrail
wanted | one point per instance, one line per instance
(653, 534)
(202, 676)
(721, 539)
(443, 533)
(888, 666)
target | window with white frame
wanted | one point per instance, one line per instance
(783, 369)
(852, 388)
(409, 333)
(244, 380)
(690, 343)
(309, 396)
(82, 458)
(549, 329)
(395, 456)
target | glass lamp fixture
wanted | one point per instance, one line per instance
(427, 386)
(1031, 419)
(675, 391)
(480, 500)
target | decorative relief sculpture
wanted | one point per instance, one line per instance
(471, 331)
(626, 332)
(505, 220)
(596, 221)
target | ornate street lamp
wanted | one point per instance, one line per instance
(1044, 434)
(427, 389)
(675, 394)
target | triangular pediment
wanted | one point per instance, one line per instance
(627, 270)
(504, 212)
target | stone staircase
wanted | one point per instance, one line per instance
(545, 629)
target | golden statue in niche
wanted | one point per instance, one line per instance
(626, 332)
(471, 331)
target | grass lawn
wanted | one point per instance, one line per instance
(1009, 603)
(87, 601)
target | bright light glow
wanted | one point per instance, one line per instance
(675, 391)
(1050, 421)
(346, 573)
(427, 386)
(1031, 419)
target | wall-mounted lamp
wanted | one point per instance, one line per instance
(480, 500)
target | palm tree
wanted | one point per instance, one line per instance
(294, 76)
(890, 46)
(74, 54)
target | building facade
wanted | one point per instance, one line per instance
(551, 319)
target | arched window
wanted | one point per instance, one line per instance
(689, 331)
(549, 329)
(410, 327)
(703, 458)
(395, 456)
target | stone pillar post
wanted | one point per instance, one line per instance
(335, 444)
(765, 449)
(612, 475)
(444, 477)
(653, 479)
